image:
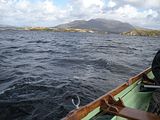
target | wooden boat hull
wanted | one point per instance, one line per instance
(127, 92)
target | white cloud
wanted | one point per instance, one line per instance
(24, 12)
(3, 1)
(22, 5)
(144, 13)
(86, 9)
(152, 3)
(144, 3)
(90, 3)
(131, 12)
(111, 4)
(128, 13)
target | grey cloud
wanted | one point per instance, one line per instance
(45, 13)
(143, 4)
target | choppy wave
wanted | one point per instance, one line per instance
(41, 71)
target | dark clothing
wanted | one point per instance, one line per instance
(156, 68)
(154, 106)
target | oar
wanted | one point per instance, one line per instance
(152, 86)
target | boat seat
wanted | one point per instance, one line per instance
(114, 107)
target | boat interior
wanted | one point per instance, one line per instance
(128, 101)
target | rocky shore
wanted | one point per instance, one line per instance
(142, 32)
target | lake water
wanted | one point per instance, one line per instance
(41, 71)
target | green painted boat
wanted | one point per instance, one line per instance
(122, 103)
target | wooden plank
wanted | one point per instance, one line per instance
(80, 113)
(135, 114)
(118, 108)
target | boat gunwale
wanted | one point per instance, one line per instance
(83, 111)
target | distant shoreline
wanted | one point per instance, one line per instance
(134, 32)
(142, 32)
(58, 29)
(97, 25)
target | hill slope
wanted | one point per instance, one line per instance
(100, 25)
(142, 32)
(7, 27)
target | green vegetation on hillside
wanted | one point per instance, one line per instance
(57, 29)
(142, 32)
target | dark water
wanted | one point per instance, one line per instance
(41, 71)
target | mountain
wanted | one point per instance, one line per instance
(7, 27)
(2, 25)
(99, 25)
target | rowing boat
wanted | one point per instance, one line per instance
(122, 103)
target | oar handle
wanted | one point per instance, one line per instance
(151, 86)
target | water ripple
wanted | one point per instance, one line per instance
(41, 71)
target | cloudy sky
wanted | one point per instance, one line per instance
(143, 13)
